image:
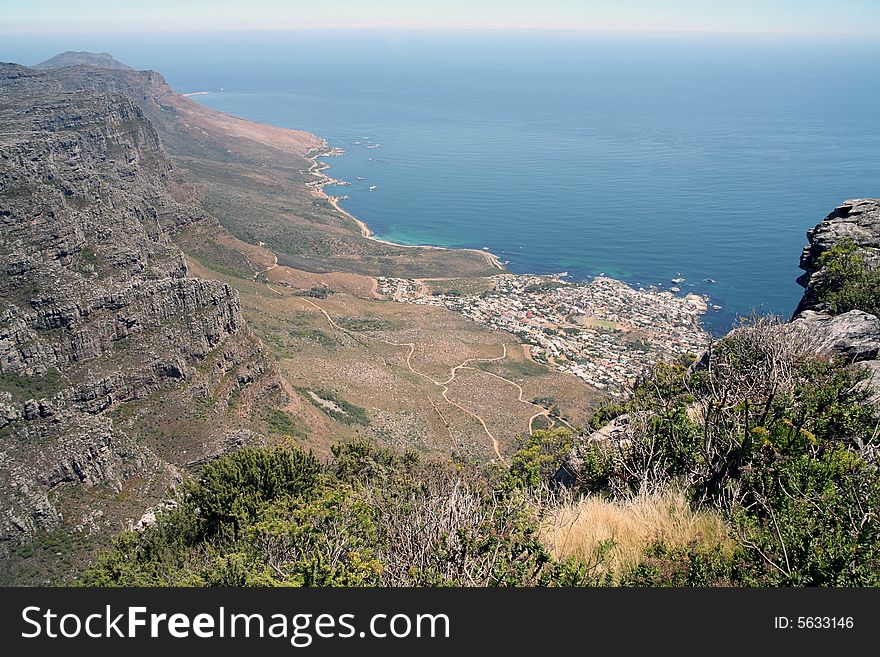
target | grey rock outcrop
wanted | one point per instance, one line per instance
(854, 335)
(857, 220)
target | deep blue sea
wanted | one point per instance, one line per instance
(645, 157)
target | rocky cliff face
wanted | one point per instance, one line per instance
(106, 344)
(856, 220)
(188, 128)
(855, 334)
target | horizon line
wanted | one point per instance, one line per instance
(122, 29)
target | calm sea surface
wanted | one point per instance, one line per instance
(646, 158)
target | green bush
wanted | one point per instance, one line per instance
(233, 491)
(849, 281)
(369, 517)
(539, 457)
(778, 439)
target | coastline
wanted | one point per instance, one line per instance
(317, 169)
(322, 180)
(632, 314)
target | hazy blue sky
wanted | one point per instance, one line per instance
(787, 16)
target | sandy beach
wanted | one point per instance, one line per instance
(322, 180)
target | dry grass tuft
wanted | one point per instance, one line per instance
(578, 527)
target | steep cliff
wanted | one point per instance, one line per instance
(855, 333)
(187, 127)
(116, 367)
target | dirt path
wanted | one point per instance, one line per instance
(273, 265)
(496, 445)
(265, 271)
(444, 385)
(543, 412)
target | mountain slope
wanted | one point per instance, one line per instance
(117, 368)
(259, 182)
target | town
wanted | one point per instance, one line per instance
(602, 331)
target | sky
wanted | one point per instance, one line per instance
(748, 16)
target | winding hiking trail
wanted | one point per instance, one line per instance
(444, 385)
(543, 412)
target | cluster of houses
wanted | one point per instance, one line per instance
(602, 331)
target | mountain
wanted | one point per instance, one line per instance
(107, 344)
(174, 287)
(82, 58)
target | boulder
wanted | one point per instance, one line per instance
(854, 335)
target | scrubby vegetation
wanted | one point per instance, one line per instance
(776, 440)
(281, 423)
(850, 282)
(756, 466)
(22, 388)
(369, 517)
(336, 407)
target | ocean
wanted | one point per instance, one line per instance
(643, 157)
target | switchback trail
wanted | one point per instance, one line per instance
(444, 385)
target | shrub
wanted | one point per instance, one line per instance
(233, 491)
(849, 281)
(538, 457)
(778, 440)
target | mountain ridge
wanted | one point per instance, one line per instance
(99, 313)
(82, 58)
